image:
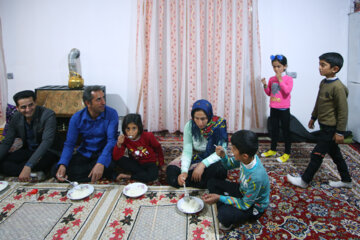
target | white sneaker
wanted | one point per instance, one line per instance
(297, 181)
(340, 184)
(222, 227)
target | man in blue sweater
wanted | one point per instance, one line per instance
(247, 200)
(97, 124)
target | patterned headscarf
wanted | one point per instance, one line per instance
(215, 130)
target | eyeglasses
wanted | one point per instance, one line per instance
(278, 57)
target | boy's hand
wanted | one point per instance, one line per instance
(311, 124)
(210, 198)
(181, 178)
(198, 172)
(220, 151)
(120, 140)
(338, 138)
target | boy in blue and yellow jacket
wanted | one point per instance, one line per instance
(247, 200)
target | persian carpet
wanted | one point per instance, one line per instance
(42, 211)
(318, 212)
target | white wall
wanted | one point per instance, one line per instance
(39, 34)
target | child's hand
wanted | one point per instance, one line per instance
(210, 198)
(120, 140)
(263, 81)
(163, 168)
(278, 76)
(220, 151)
(181, 178)
(123, 176)
(311, 124)
(338, 138)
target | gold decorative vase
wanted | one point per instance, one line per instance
(75, 79)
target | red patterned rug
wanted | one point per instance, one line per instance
(318, 212)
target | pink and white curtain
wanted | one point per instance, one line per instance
(3, 83)
(192, 49)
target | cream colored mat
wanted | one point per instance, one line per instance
(42, 211)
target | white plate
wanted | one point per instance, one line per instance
(181, 205)
(3, 185)
(80, 191)
(135, 190)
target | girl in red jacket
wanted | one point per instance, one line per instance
(143, 150)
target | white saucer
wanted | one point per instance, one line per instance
(80, 192)
(3, 185)
(135, 190)
(181, 203)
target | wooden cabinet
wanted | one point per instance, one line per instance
(64, 101)
(61, 99)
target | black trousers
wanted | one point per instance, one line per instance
(80, 167)
(326, 144)
(215, 170)
(228, 214)
(283, 117)
(141, 172)
(14, 162)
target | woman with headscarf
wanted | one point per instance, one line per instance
(199, 162)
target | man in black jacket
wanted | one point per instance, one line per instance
(36, 126)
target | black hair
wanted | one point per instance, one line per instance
(197, 110)
(22, 95)
(132, 118)
(280, 58)
(333, 58)
(246, 142)
(87, 96)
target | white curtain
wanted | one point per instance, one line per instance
(192, 49)
(3, 82)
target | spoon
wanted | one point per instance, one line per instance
(74, 184)
(186, 197)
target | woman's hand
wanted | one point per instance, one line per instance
(181, 178)
(120, 140)
(198, 171)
